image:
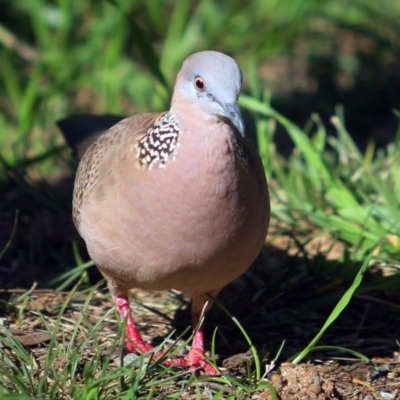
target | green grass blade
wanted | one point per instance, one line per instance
(344, 301)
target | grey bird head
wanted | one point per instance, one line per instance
(211, 81)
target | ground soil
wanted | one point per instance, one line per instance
(328, 374)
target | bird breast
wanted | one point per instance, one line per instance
(191, 225)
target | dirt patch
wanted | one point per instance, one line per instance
(325, 377)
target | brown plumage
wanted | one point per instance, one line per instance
(175, 200)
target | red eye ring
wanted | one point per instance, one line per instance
(199, 84)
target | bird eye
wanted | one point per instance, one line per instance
(199, 84)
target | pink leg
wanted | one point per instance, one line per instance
(195, 357)
(134, 342)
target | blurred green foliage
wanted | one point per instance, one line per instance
(63, 57)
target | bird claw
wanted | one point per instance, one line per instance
(200, 364)
(205, 366)
(194, 361)
(140, 347)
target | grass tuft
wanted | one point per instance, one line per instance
(66, 57)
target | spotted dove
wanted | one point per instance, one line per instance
(173, 200)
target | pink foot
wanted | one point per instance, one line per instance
(195, 360)
(134, 340)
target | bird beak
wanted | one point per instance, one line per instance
(232, 116)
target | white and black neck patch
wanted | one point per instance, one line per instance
(160, 142)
